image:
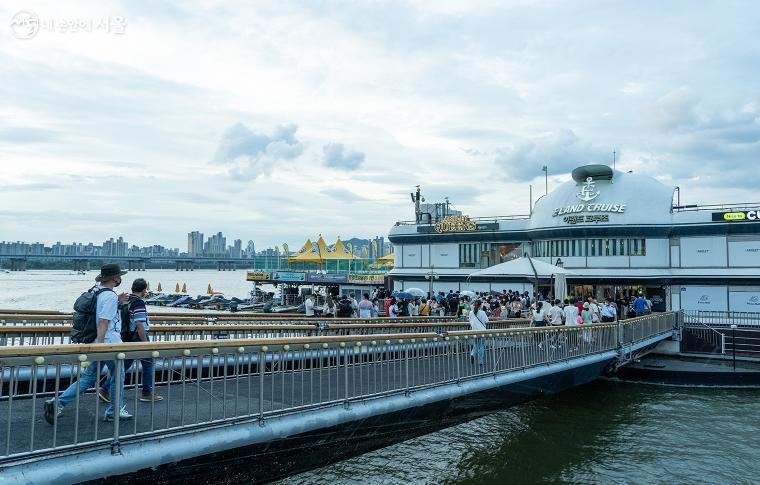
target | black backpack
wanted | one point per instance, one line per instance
(124, 310)
(344, 308)
(84, 325)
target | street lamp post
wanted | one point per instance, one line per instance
(430, 276)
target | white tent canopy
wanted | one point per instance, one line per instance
(522, 268)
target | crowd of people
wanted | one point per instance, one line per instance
(507, 304)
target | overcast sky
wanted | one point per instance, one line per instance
(279, 121)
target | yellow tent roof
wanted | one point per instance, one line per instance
(313, 253)
(339, 251)
(388, 258)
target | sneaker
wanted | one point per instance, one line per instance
(123, 414)
(50, 413)
(150, 397)
(103, 395)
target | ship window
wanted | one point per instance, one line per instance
(592, 249)
(635, 247)
(468, 255)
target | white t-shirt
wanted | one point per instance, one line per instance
(555, 315)
(365, 309)
(309, 306)
(478, 321)
(393, 311)
(595, 310)
(571, 314)
(538, 315)
(108, 309)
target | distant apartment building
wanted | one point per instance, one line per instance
(195, 243)
(216, 245)
(118, 247)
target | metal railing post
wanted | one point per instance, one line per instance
(116, 403)
(262, 370)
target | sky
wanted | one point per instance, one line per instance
(278, 121)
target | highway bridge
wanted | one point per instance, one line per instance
(137, 263)
(277, 405)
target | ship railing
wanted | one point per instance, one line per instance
(716, 207)
(725, 333)
(722, 318)
(215, 383)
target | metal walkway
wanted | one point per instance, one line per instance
(219, 395)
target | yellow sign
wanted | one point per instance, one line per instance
(455, 224)
(366, 277)
(734, 216)
(257, 276)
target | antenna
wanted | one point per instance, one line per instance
(614, 159)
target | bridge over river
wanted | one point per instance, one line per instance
(279, 405)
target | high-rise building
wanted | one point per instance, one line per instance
(195, 243)
(250, 250)
(237, 249)
(216, 245)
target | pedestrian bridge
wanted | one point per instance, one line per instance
(250, 398)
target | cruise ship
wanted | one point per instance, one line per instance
(617, 233)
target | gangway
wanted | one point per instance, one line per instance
(237, 398)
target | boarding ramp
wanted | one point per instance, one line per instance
(224, 394)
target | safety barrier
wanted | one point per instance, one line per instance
(212, 383)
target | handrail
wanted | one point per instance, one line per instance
(216, 383)
(184, 344)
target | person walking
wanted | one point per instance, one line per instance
(365, 307)
(555, 315)
(478, 320)
(329, 308)
(375, 308)
(354, 305)
(108, 324)
(309, 306)
(608, 311)
(393, 308)
(640, 305)
(139, 325)
(571, 313)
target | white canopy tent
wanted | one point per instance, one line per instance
(523, 268)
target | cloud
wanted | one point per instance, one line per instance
(29, 187)
(561, 151)
(247, 154)
(343, 195)
(25, 134)
(335, 155)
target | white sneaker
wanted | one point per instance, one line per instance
(123, 414)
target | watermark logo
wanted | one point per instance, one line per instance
(25, 24)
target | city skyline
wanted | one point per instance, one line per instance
(213, 246)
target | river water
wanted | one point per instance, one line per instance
(604, 432)
(57, 290)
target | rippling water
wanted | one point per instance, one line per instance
(604, 432)
(57, 290)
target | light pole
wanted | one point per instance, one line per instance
(430, 276)
(545, 169)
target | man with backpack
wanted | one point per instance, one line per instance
(134, 328)
(96, 320)
(344, 308)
